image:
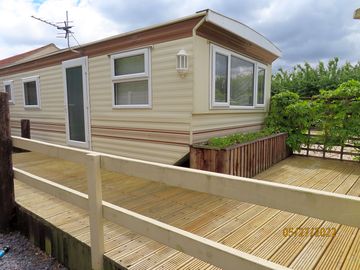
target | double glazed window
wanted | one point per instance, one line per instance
(131, 79)
(9, 89)
(31, 88)
(236, 81)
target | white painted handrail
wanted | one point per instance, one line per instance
(72, 196)
(204, 249)
(339, 208)
(343, 209)
(52, 150)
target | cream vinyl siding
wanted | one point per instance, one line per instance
(51, 116)
(208, 122)
(206, 126)
(180, 112)
(159, 133)
(201, 74)
(167, 154)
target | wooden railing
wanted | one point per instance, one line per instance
(337, 208)
(246, 159)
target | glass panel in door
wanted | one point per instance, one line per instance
(75, 103)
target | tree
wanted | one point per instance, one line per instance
(307, 81)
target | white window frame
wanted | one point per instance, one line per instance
(226, 105)
(11, 84)
(35, 79)
(216, 49)
(259, 65)
(146, 75)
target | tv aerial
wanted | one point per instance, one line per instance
(64, 26)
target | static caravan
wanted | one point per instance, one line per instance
(146, 94)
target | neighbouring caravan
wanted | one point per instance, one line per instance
(146, 94)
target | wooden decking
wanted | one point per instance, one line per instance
(250, 228)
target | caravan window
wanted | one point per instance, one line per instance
(131, 79)
(31, 87)
(237, 81)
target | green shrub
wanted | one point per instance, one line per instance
(290, 114)
(339, 114)
(233, 139)
(335, 112)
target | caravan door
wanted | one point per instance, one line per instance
(76, 102)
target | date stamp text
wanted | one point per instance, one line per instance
(309, 231)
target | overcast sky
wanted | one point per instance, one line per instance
(304, 30)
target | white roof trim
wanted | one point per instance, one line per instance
(242, 30)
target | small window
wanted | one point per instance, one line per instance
(9, 89)
(261, 86)
(131, 79)
(31, 92)
(237, 81)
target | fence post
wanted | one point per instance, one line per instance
(7, 197)
(308, 142)
(342, 152)
(25, 128)
(324, 146)
(95, 210)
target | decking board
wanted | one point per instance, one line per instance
(250, 228)
(352, 261)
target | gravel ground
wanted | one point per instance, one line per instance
(25, 256)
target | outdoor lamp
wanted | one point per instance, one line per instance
(182, 66)
(357, 14)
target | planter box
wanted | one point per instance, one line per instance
(247, 159)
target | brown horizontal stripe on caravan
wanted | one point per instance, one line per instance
(218, 35)
(141, 140)
(176, 30)
(228, 128)
(41, 129)
(15, 124)
(41, 126)
(143, 130)
(153, 135)
(47, 130)
(48, 123)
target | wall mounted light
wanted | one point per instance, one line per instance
(357, 14)
(182, 63)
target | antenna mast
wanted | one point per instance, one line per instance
(66, 27)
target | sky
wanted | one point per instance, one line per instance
(304, 30)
